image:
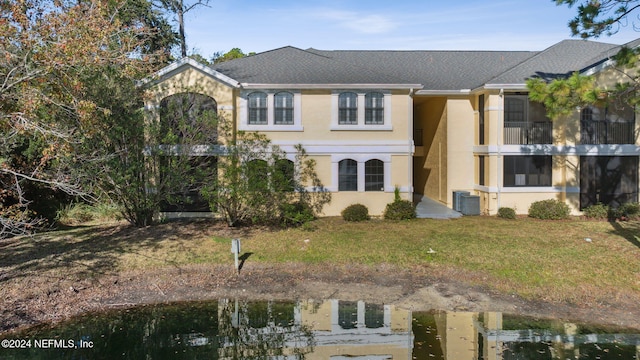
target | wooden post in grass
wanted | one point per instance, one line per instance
(235, 249)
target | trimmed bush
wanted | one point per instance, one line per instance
(597, 211)
(355, 212)
(400, 210)
(626, 211)
(506, 213)
(296, 214)
(549, 210)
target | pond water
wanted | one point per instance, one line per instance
(330, 329)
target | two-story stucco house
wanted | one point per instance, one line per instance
(428, 122)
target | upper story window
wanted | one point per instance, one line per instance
(270, 111)
(361, 110)
(348, 108)
(374, 108)
(257, 108)
(525, 121)
(283, 108)
(607, 125)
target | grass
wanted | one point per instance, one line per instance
(548, 260)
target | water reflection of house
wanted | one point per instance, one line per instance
(488, 335)
(330, 329)
(357, 330)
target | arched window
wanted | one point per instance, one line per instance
(257, 108)
(348, 108)
(374, 175)
(282, 178)
(188, 115)
(348, 175)
(256, 175)
(374, 108)
(283, 108)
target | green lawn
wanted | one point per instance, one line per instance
(548, 260)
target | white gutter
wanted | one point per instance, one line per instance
(503, 87)
(444, 92)
(330, 86)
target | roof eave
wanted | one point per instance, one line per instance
(443, 92)
(330, 86)
(176, 67)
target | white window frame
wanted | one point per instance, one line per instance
(361, 159)
(270, 125)
(336, 126)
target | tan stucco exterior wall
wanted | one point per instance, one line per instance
(430, 169)
(324, 141)
(460, 139)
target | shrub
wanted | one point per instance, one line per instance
(296, 214)
(75, 213)
(506, 213)
(597, 211)
(625, 212)
(549, 210)
(355, 212)
(400, 210)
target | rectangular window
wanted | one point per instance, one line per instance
(527, 171)
(481, 119)
(481, 170)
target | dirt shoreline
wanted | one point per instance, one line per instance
(413, 289)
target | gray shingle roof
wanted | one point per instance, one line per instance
(435, 70)
(559, 60)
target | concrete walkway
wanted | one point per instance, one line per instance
(431, 209)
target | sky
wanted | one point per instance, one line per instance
(262, 25)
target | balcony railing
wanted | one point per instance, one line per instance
(606, 132)
(527, 133)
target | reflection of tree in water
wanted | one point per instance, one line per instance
(261, 331)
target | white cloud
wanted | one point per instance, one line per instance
(361, 23)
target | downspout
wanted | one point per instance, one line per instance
(499, 143)
(412, 148)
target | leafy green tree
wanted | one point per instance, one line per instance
(46, 51)
(235, 53)
(257, 184)
(600, 17)
(145, 164)
(563, 95)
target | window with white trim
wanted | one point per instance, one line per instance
(267, 110)
(283, 108)
(257, 108)
(374, 175)
(528, 170)
(374, 108)
(361, 110)
(348, 175)
(348, 108)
